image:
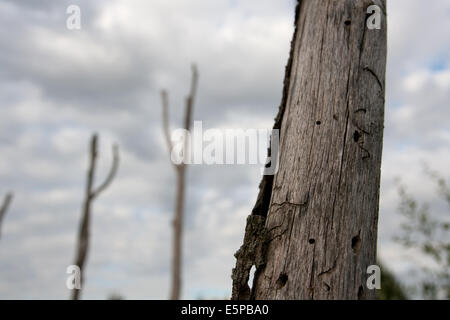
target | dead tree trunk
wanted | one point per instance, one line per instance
(91, 194)
(4, 208)
(180, 169)
(313, 231)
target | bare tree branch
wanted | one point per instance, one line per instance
(190, 98)
(180, 171)
(112, 172)
(4, 207)
(83, 235)
(166, 129)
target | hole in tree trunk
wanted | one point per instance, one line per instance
(356, 243)
(311, 241)
(356, 136)
(360, 293)
(282, 279)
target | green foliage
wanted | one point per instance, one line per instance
(115, 296)
(390, 288)
(429, 235)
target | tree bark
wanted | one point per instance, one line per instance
(313, 231)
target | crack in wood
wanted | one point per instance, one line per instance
(360, 128)
(368, 69)
(329, 270)
(291, 203)
(252, 251)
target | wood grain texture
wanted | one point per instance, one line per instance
(321, 221)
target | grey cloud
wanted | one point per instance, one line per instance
(58, 88)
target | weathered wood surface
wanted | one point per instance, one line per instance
(320, 211)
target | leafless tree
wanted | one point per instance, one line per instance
(4, 207)
(91, 194)
(313, 231)
(180, 170)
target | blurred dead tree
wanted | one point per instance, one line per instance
(180, 170)
(4, 208)
(91, 194)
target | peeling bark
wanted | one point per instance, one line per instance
(320, 211)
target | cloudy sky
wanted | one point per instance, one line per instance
(58, 86)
